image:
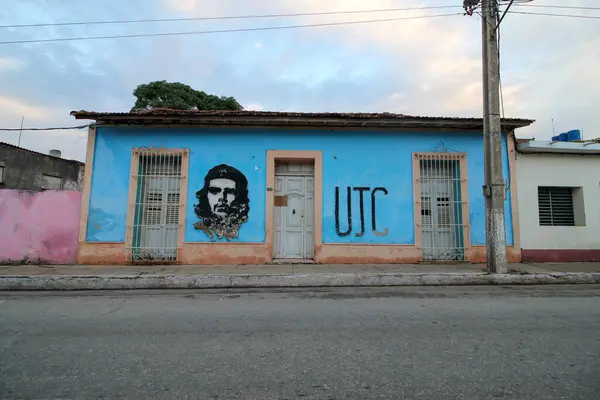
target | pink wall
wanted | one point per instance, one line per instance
(39, 227)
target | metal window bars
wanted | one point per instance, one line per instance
(441, 203)
(156, 215)
(555, 206)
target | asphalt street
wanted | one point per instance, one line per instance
(371, 343)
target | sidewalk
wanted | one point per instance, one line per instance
(114, 277)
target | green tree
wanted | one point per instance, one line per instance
(177, 96)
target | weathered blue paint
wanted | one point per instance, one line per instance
(350, 158)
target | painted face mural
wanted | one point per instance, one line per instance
(223, 203)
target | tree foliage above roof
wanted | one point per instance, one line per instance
(177, 96)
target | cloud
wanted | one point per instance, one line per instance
(15, 106)
(253, 107)
(71, 142)
(426, 66)
(181, 5)
(10, 64)
(557, 83)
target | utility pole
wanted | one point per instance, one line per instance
(493, 190)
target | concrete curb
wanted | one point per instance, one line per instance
(128, 282)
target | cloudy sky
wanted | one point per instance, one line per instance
(429, 66)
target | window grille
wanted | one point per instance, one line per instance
(156, 217)
(555, 206)
(441, 204)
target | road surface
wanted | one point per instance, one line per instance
(378, 343)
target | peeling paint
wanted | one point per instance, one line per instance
(99, 222)
(70, 185)
(496, 231)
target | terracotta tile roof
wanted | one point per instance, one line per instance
(276, 118)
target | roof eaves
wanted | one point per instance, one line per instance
(38, 153)
(263, 118)
(539, 147)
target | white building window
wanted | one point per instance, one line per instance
(1, 173)
(50, 182)
(560, 206)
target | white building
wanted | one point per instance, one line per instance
(558, 187)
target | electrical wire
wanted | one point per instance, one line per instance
(504, 14)
(499, 19)
(500, 76)
(555, 15)
(498, 22)
(559, 7)
(139, 21)
(270, 28)
(44, 129)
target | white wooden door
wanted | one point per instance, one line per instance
(294, 221)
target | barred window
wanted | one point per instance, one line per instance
(156, 214)
(555, 205)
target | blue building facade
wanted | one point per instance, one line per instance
(247, 187)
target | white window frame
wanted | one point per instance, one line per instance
(555, 211)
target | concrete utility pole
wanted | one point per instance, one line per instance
(493, 189)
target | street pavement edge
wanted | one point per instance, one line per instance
(130, 282)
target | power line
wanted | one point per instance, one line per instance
(499, 21)
(501, 18)
(553, 15)
(138, 21)
(270, 28)
(151, 20)
(559, 7)
(45, 129)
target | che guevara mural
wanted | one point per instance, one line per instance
(223, 203)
